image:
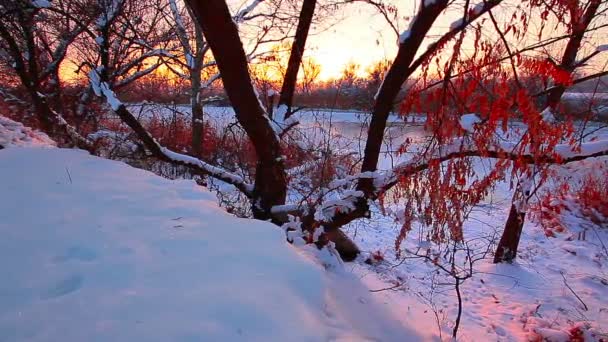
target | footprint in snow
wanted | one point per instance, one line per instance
(65, 286)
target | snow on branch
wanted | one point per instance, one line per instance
(456, 27)
(102, 89)
(182, 34)
(462, 148)
(41, 3)
(336, 210)
(468, 122)
(110, 12)
(240, 16)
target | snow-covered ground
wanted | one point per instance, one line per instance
(94, 250)
(505, 302)
(585, 96)
(13, 133)
(221, 116)
(535, 295)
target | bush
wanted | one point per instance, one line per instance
(587, 200)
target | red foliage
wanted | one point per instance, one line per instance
(589, 201)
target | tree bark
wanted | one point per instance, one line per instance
(197, 120)
(198, 124)
(397, 74)
(297, 51)
(223, 38)
(508, 245)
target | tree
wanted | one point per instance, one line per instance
(196, 61)
(577, 16)
(33, 44)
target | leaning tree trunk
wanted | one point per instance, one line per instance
(297, 52)
(509, 241)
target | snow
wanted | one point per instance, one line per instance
(94, 250)
(504, 302)
(585, 96)
(405, 35)
(547, 115)
(240, 16)
(41, 3)
(102, 88)
(468, 122)
(190, 61)
(585, 149)
(478, 8)
(13, 133)
(279, 114)
(218, 172)
(456, 24)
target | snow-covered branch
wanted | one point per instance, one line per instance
(456, 27)
(102, 89)
(240, 16)
(462, 148)
(182, 34)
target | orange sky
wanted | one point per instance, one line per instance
(358, 33)
(361, 35)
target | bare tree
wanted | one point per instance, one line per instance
(34, 42)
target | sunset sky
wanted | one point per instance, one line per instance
(359, 35)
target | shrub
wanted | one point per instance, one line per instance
(587, 200)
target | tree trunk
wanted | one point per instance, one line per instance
(346, 247)
(222, 35)
(509, 241)
(197, 114)
(396, 75)
(195, 95)
(297, 51)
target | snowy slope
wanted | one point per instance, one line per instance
(94, 250)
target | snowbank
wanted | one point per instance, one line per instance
(13, 133)
(94, 250)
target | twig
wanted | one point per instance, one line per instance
(387, 288)
(69, 176)
(574, 293)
